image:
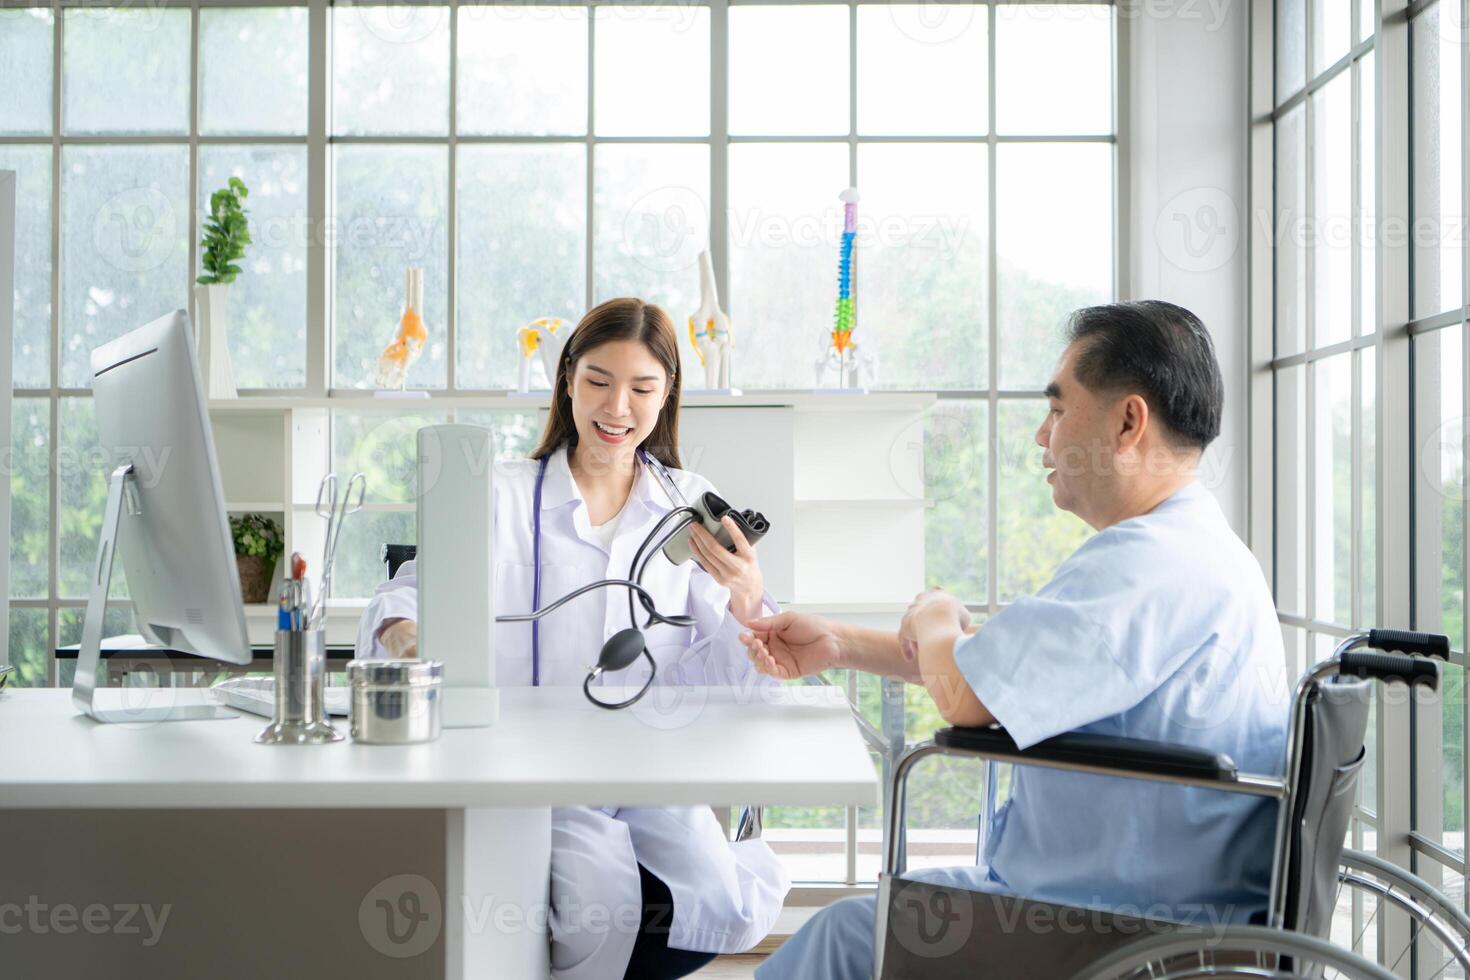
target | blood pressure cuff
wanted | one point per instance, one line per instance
(713, 508)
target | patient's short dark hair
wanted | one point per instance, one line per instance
(1160, 351)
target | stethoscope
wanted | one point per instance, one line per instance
(625, 646)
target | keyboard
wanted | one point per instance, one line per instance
(258, 696)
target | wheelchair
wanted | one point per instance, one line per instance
(940, 932)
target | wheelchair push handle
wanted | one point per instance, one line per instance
(1412, 643)
(1388, 667)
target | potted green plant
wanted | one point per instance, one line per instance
(226, 233)
(258, 546)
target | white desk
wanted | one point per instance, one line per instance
(274, 859)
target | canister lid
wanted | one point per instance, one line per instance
(402, 672)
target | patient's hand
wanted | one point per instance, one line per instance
(931, 610)
(791, 645)
(400, 637)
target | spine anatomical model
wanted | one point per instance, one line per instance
(854, 368)
(709, 329)
(845, 318)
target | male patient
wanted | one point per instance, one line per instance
(1159, 627)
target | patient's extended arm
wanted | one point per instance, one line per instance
(795, 645)
(876, 652)
(929, 631)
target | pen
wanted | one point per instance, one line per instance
(298, 574)
(283, 611)
(306, 621)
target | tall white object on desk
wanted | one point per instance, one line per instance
(456, 524)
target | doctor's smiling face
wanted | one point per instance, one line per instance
(618, 390)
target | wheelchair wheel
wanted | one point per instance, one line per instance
(1233, 951)
(1367, 884)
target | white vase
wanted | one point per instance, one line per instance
(214, 348)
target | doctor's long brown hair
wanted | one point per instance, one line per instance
(618, 319)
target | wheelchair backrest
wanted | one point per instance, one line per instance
(1326, 791)
(394, 555)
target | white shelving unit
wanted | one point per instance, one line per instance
(841, 477)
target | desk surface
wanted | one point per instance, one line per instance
(679, 746)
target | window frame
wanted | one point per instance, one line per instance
(1431, 858)
(318, 142)
(1407, 552)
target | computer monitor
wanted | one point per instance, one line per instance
(165, 513)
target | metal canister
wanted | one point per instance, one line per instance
(396, 702)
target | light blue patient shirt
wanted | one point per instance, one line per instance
(1159, 627)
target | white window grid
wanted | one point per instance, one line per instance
(1407, 556)
(1428, 774)
(1278, 542)
(319, 140)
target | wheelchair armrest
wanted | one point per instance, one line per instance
(1121, 755)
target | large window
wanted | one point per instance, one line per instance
(1367, 285)
(534, 160)
(117, 149)
(1324, 347)
(1436, 299)
(1323, 360)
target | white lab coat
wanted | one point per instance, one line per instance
(726, 895)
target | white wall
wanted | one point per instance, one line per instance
(1186, 140)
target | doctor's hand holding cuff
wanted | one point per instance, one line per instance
(740, 572)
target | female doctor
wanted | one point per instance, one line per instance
(616, 396)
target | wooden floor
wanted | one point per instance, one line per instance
(731, 968)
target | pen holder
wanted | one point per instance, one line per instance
(301, 665)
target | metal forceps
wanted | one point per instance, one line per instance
(335, 511)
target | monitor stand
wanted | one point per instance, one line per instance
(120, 487)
